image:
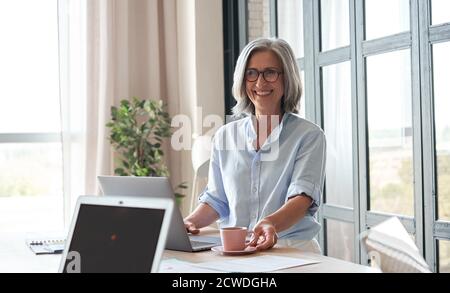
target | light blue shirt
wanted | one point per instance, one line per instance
(245, 185)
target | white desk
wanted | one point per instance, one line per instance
(16, 257)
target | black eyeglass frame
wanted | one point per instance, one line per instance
(263, 74)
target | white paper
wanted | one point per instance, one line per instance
(176, 266)
(257, 264)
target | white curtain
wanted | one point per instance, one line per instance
(72, 46)
(338, 127)
(101, 88)
(111, 50)
(339, 171)
(290, 24)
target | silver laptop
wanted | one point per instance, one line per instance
(117, 235)
(158, 187)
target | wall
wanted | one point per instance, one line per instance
(258, 19)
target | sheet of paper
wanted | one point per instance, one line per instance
(176, 266)
(257, 264)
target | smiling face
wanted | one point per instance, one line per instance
(265, 96)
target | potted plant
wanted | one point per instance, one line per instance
(137, 129)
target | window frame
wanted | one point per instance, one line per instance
(425, 225)
(60, 137)
(38, 137)
(356, 53)
(44, 137)
(235, 36)
(430, 35)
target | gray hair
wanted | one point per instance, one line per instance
(292, 81)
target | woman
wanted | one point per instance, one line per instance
(269, 176)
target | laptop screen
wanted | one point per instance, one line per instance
(113, 239)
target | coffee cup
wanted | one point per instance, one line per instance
(233, 238)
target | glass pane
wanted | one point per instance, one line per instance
(340, 240)
(441, 71)
(31, 187)
(337, 98)
(29, 88)
(335, 24)
(303, 99)
(444, 256)
(386, 17)
(290, 24)
(440, 11)
(258, 19)
(390, 133)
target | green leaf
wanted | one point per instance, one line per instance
(147, 106)
(120, 172)
(114, 113)
(125, 104)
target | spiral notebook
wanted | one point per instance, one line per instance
(46, 246)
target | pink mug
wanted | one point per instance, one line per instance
(233, 238)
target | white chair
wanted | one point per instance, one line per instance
(392, 250)
(201, 152)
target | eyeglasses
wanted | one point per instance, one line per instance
(269, 75)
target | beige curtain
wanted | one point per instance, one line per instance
(101, 81)
(131, 50)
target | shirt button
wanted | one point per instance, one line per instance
(255, 189)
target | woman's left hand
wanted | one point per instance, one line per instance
(264, 235)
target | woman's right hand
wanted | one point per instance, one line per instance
(191, 228)
(203, 216)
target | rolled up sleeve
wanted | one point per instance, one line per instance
(309, 169)
(214, 194)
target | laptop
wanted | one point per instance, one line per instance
(158, 187)
(117, 235)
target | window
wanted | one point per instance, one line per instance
(340, 240)
(31, 187)
(335, 24)
(30, 142)
(337, 106)
(284, 19)
(302, 101)
(444, 258)
(377, 82)
(440, 11)
(435, 48)
(290, 24)
(390, 133)
(441, 69)
(29, 72)
(386, 17)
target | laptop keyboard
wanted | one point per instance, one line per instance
(200, 243)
